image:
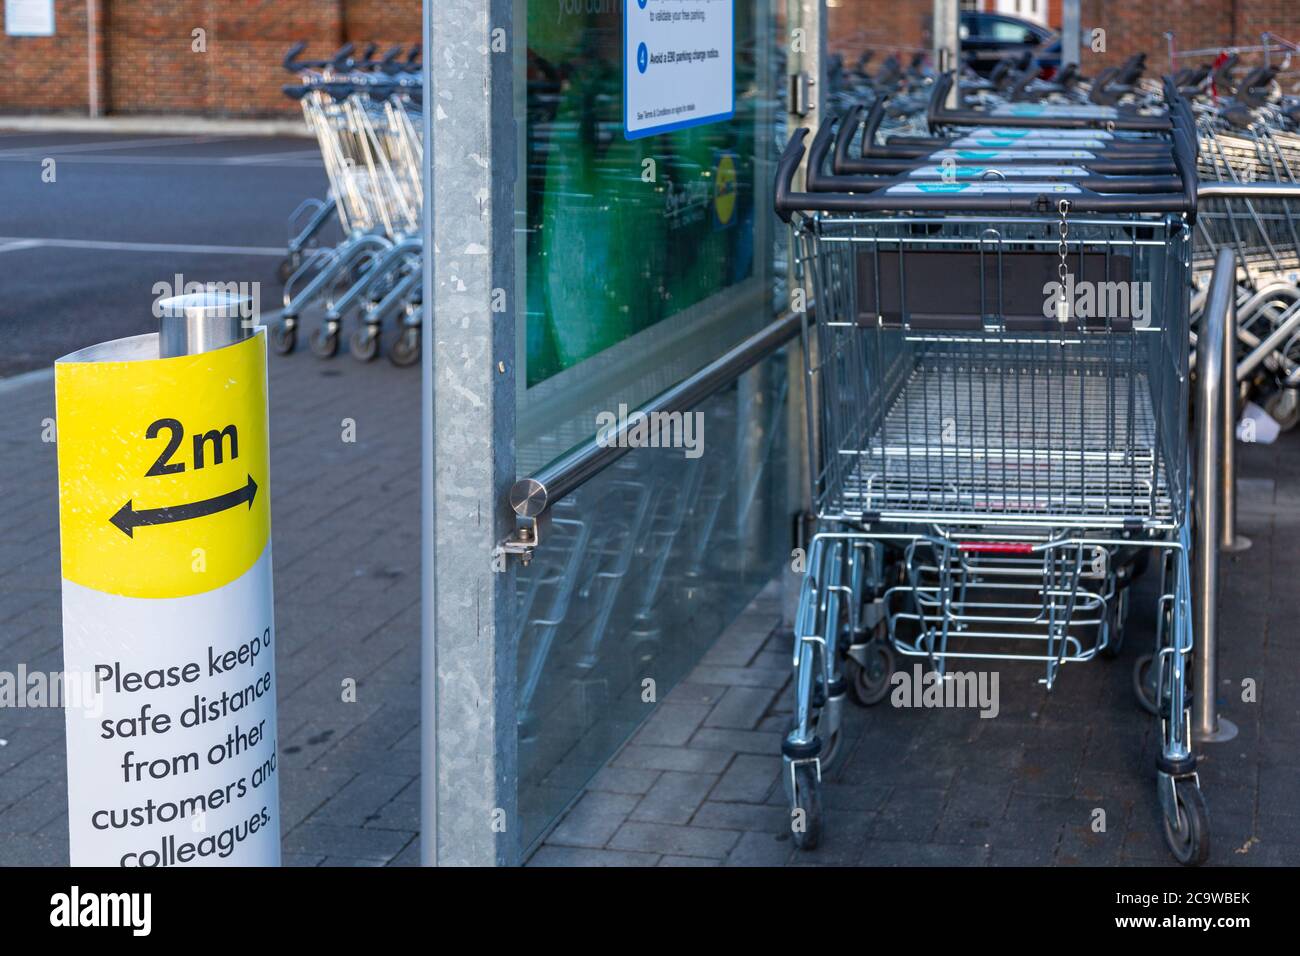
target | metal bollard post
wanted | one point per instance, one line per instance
(1207, 725)
(201, 322)
(1229, 539)
(168, 618)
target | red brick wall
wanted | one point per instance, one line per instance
(47, 73)
(1130, 25)
(148, 64)
(894, 26)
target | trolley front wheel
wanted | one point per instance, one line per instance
(806, 817)
(364, 343)
(869, 682)
(405, 350)
(1284, 407)
(325, 342)
(1188, 836)
(1144, 684)
(284, 338)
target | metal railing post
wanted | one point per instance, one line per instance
(1207, 725)
(1229, 539)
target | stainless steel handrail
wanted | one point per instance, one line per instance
(1212, 487)
(532, 497)
(1255, 190)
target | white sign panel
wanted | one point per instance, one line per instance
(678, 64)
(29, 18)
(168, 629)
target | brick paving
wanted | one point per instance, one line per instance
(347, 606)
(698, 785)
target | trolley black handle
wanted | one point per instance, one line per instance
(343, 58)
(1136, 166)
(294, 65)
(788, 202)
(940, 115)
(909, 147)
(1145, 178)
(1157, 159)
(290, 61)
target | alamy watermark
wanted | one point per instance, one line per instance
(639, 429)
(930, 689)
(1099, 300)
(246, 297)
(39, 689)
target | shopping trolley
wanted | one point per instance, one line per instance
(989, 468)
(365, 115)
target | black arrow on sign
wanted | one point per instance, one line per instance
(128, 519)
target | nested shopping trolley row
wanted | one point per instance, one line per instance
(365, 112)
(998, 417)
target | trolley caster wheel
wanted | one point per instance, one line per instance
(806, 813)
(364, 343)
(869, 683)
(1284, 408)
(1188, 836)
(325, 342)
(405, 350)
(1144, 684)
(1116, 624)
(284, 338)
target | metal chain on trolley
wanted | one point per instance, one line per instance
(1062, 269)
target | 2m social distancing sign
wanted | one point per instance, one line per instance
(679, 64)
(165, 528)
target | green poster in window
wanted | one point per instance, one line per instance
(624, 233)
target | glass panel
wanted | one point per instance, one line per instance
(640, 262)
(641, 569)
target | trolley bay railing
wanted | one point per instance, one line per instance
(531, 498)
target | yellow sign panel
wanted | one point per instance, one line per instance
(163, 471)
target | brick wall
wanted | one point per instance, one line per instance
(1130, 25)
(146, 64)
(149, 64)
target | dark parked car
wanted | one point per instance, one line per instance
(988, 37)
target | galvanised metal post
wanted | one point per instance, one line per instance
(1207, 726)
(468, 722)
(807, 78)
(945, 37)
(1071, 32)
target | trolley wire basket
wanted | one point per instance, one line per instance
(950, 391)
(997, 411)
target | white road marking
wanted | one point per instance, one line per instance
(54, 149)
(166, 161)
(22, 379)
(110, 246)
(292, 155)
(19, 244)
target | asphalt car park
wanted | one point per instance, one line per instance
(92, 222)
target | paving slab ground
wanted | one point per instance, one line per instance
(347, 606)
(698, 785)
